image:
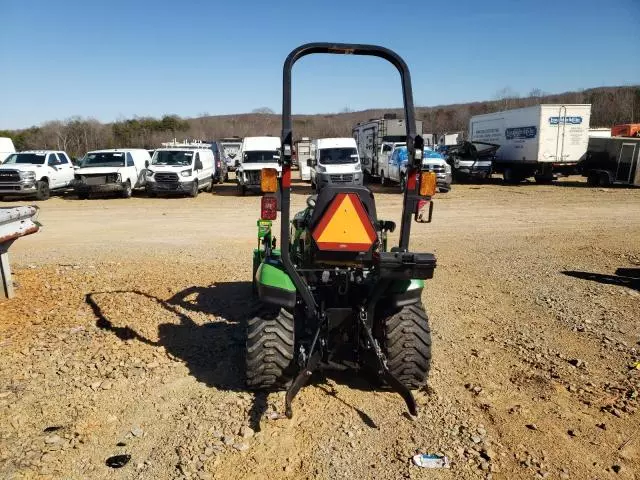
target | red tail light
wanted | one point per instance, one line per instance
(268, 208)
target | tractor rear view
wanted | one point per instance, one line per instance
(334, 295)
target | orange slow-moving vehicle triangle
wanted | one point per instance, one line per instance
(345, 226)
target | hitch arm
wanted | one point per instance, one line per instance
(383, 370)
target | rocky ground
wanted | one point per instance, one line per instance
(127, 337)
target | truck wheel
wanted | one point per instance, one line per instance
(270, 349)
(242, 190)
(151, 193)
(593, 179)
(127, 190)
(604, 180)
(195, 189)
(407, 344)
(511, 176)
(42, 190)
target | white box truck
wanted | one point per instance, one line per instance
(376, 140)
(535, 141)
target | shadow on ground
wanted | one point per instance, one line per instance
(624, 277)
(214, 352)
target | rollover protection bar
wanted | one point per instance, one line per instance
(415, 143)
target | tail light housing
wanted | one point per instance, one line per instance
(268, 208)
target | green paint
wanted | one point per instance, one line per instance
(401, 286)
(272, 274)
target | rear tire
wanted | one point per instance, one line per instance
(593, 179)
(407, 344)
(511, 176)
(42, 190)
(242, 190)
(270, 349)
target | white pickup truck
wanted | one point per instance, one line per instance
(431, 161)
(35, 173)
(111, 171)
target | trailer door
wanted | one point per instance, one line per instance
(625, 159)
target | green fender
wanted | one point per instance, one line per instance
(274, 284)
(405, 292)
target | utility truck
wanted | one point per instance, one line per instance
(255, 154)
(377, 138)
(537, 141)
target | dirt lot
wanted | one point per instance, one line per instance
(127, 336)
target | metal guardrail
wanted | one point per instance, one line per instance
(15, 222)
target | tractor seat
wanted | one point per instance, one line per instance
(329, 192)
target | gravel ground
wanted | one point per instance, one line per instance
(126, 338)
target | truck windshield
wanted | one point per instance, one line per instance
(28, 158)
(260, 156)
(103, 159)
(170, 157)
(335, 156)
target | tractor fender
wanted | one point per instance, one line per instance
(404, 292)
(274, 284)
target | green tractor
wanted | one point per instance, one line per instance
(334, 296)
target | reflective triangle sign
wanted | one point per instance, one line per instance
(345, 226)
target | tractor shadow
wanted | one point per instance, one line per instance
(624, 277)
(213, 352)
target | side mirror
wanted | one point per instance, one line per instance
(199, 165)
(146, 164)
(237, 163)
(309, 162)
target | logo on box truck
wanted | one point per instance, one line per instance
(565, 120)
(520, 133)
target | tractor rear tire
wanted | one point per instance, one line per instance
(407, 344)
(270, 349)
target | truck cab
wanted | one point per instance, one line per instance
(431, 161)
(255, 154)
(180, 170)
(335, 161)
(35, 173)
(111, 171)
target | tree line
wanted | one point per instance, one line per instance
(76, 135)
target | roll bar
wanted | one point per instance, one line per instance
(414, 142)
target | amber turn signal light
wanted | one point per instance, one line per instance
(427, 184)
(269, 180)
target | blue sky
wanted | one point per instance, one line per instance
(114, 59)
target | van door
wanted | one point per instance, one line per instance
(625, 159)
(208, 162)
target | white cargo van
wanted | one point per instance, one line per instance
(180, 170)
(35, 172)
(535, 141)
(6, 148)
(335, 161)
(255, 154)
(111, 171)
